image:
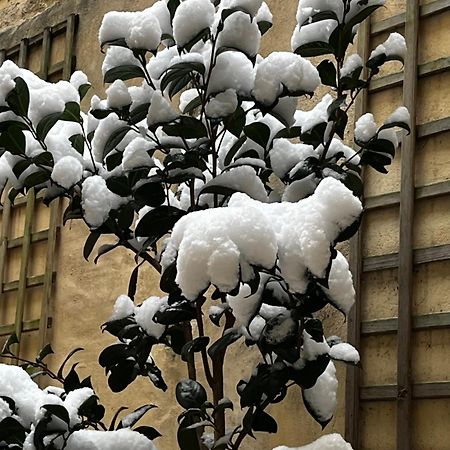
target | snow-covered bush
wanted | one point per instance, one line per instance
(236, 197)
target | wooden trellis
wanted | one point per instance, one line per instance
(405, 391)
(62, 70)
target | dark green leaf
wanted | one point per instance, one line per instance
(259, 133)
(264, 26)
(21, 166)
(61, 368)
(187, 439)
(12, 432)
(236, 122)
(119, 185)
(36, 178)
(106, 248)
(234, 149)
(58, 411)
(83, 90)
(90, 244)
(19, 98)
(139, 113)
(261, 421)
(72, 380)
(13, 140)
(186, 127)
(44, 159)
(222, 343)
(190, 394)
(77, 141)
(132, 284)
(45, 351)
(131, 419)
(72, 112)
(46, 124)
(167, 282)
(193, 104)
(113, 160)
(180, 312)
(314, 49)
(327, 72)
(402, 125)
(159, 221)
(197, 345)
(115, 139)
(9, 342)
(149, 432)
(124, 73)
(361, 16)
(151, 194)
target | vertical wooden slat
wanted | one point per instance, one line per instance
(405, 273)
(70, 41)
(355, 260)
(2, 56)
(48, 276)
(24, 260)
(23, 53)
(6, 214)
(46, 49)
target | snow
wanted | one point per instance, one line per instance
(67, 172)
(340, 284)
(240, 32)
(97, 200)
(352, 63)
(393, 47)
(313, 349)
(300, 189)
(191, 17)
(285, 155)
(357, 6)
(401, 114)
(186, 97)
(337, 147)
(74, 400)
(160, 110)
(124, 307)
(118, 56)
(103, 132)
(365, 128)
(135, 154)
(284, 70)
(285, 110)
(328, 442)
(145, 313)
(111, 440)
(322, 397)
(144, 31)
(233, 70)
(78, 79)
(313, 32)
(344, 352)
(161, 12)
(222, 105)
(161, 62)
(118, 95)
(7, 84)
(209, 245)
(241, 179)
(307, 120)
(308, 8)
(264, 14)
(140, 29)
(250, 6)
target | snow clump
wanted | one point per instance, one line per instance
(328, 442)
(67, 172)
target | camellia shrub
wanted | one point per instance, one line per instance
(235, 196)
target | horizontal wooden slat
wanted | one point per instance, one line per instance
(420, 391)
(422, 322)
(434, 127)
(35, 237)
(35, 281)
(396, 79)
(421, 256)
(393, 23)
(30, 325)
(393, 198)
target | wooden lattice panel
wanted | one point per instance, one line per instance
(29, 229)
(411, 332)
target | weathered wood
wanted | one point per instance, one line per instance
(70, 42)
(23, 53)
(396, 79)
(35, 237)
(23, 274)
(398, 21)
(434, 127)
(2, 56)
(28, 325)
(354, 318)
(34, 281)
(406, 238)
(393, 198)
(437, 390)
(421, 256)
(6, 215)
(390, 326)
(48, 276)
(46, 50)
